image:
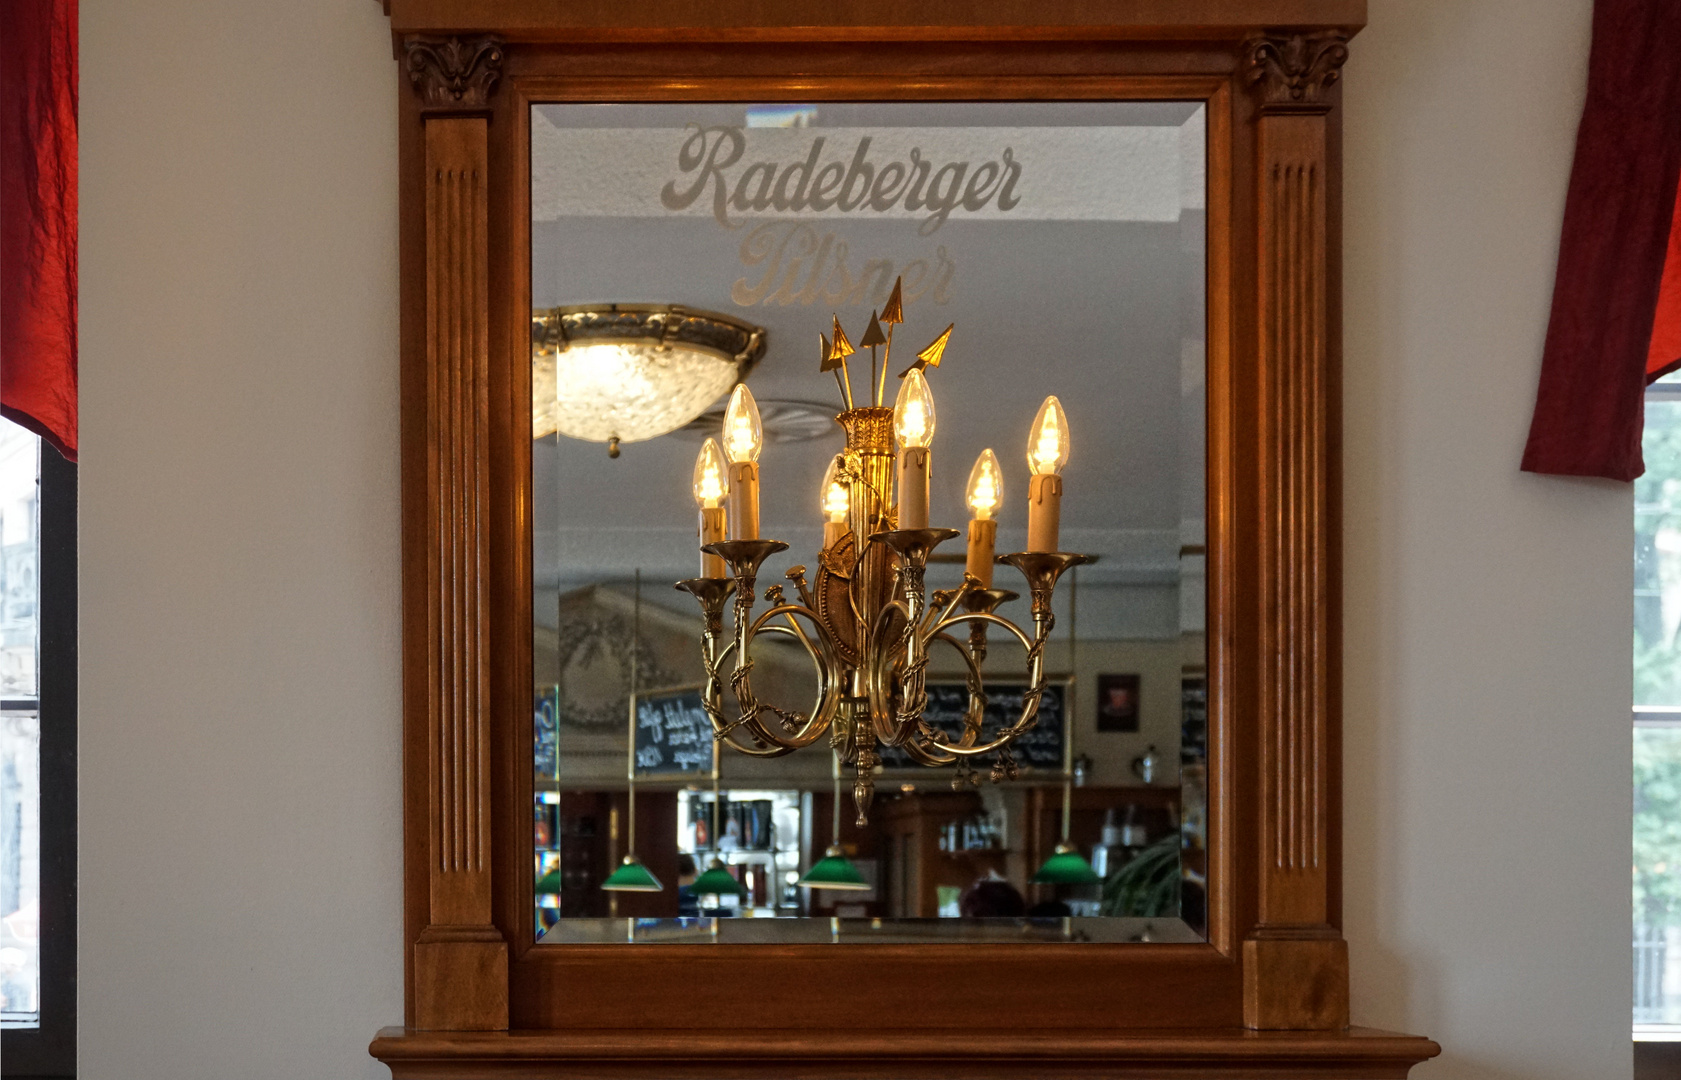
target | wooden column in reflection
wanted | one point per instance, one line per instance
(460, 962)
(1295, 960)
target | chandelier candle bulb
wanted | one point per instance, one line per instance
(744, 436)
(984, 495)
(837, 502)
(913, 424)
(709, 496)
(1047, 453)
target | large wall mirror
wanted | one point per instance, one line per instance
(648, 254)
(680, 248)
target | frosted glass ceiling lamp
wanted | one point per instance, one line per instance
(620, 373)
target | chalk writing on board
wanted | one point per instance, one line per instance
(544, 729)
(1039, 748)
(673, 735)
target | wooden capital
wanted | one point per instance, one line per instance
(1292, 74)
(453, 73)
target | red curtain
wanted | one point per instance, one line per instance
(1664, 354)
(1609, 334)
(38, 218)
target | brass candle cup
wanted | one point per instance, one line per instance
(914, 544)
(744, 556)
(1042, 569)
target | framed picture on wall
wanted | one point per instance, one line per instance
(1117, 702)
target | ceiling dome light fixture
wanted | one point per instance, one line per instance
(620, 373)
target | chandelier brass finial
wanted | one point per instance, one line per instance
(894, 312)
(830, 362)
(842, 347)
(873, 336)
(930, 357)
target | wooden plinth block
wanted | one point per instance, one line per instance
(1295, 984)
(461, 980)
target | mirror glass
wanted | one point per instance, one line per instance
(679, 248)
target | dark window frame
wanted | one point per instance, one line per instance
(49, 1051)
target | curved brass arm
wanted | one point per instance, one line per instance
(799, 731)
(884, 698)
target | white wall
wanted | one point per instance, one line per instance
(241, 838)
(1488, 611)
(240, 831)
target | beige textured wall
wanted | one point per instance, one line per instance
(240, 910)
(1487, 611)
(241, 841)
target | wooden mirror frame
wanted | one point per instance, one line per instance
(1267, 993)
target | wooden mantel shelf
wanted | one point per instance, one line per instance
(905, 1055)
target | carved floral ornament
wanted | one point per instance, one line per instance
(453, 72)
(1293, 73)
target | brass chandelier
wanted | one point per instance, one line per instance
(866, 620)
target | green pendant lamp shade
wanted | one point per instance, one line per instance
(632, 876)
(834, 871)
(1066, 867)
(717, 881)
(549, 883)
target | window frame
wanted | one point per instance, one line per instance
(49, 1050)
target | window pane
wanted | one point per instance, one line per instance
(19, 561)
(20, 869)
(1657, 875)
(20, 729)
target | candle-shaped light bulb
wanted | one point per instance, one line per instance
(710, 491)
(836, 497)
(913, 412)
(837, 502)
(1047, 453)
(709, 475)
(985, 494)
(986, 485)
(744, 436)
(1047, 446)
(913, 425)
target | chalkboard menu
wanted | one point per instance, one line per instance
(673, 735)
(1040, 748)
(544, 729)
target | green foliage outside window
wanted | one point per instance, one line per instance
(1657, 825)
(1657, 509)
(1657, 670)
